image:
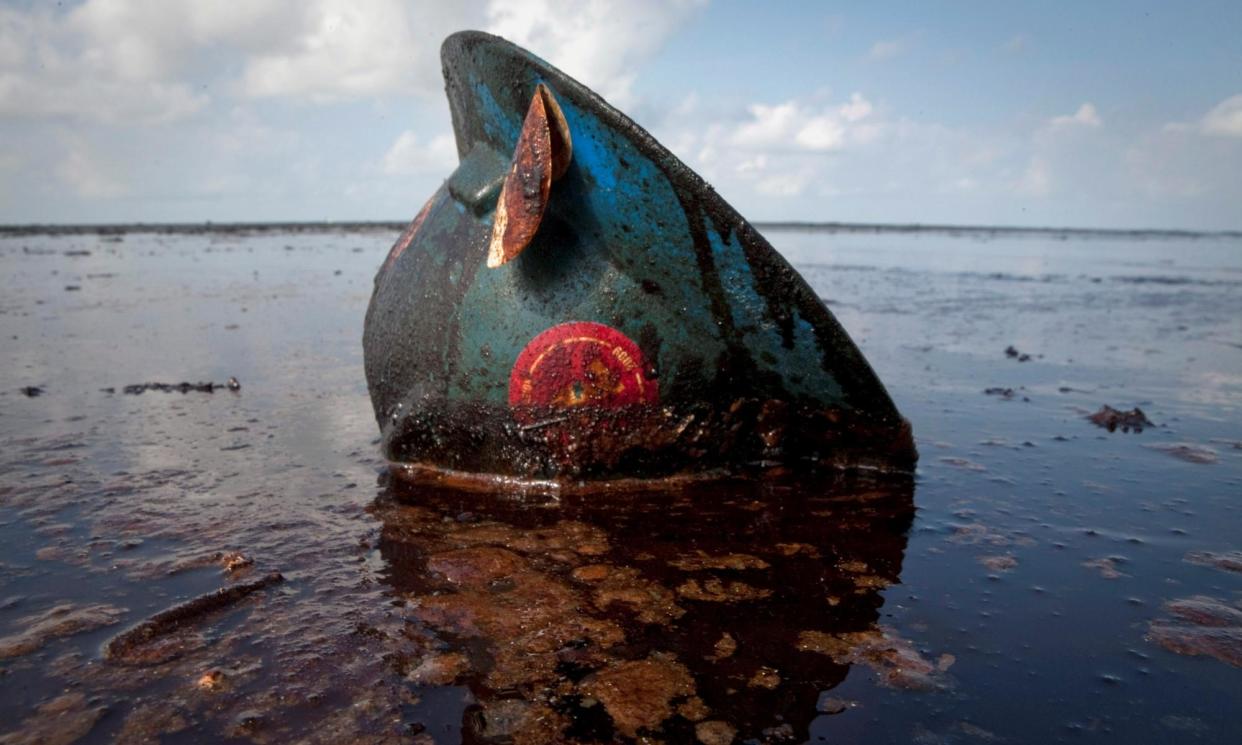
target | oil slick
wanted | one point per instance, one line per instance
(124, 506)
(572, 620)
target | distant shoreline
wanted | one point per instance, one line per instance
(248, 228)
(1014, 230)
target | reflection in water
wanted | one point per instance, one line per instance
(715, 611)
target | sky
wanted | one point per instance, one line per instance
(1101, 114)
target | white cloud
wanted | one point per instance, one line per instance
(785, 184)
(343, 49)
(52, 66)
(102, 100)
(856, 109)
(753, 165)
(339, 49)
(797, 125)
(409, 154)
(598, 43)
(1062, 146)
(84, 84)
(132, 40)
(150, 61)
(768, 126)
(1086, 116)
(772, 157)
(822, 133)
(1225, 118)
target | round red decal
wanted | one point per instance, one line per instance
(581, 363)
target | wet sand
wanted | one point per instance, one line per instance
(231, 564)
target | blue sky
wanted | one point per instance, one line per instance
(1102, 114)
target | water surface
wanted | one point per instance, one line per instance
(1038, 580)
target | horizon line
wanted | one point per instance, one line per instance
(17, 229)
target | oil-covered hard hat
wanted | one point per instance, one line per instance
(575, 306)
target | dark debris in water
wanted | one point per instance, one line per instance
(1012, 353)
(139, 388)
(999, 563)
(132, 645)
(963, 463)
(897, 663)
(1007, 394)
(1107, 566)
(1201, 625)
(1229, 561)
(1114, 419)
(31, 391)
(1187, 451)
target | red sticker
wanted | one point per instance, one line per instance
(581, 363)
